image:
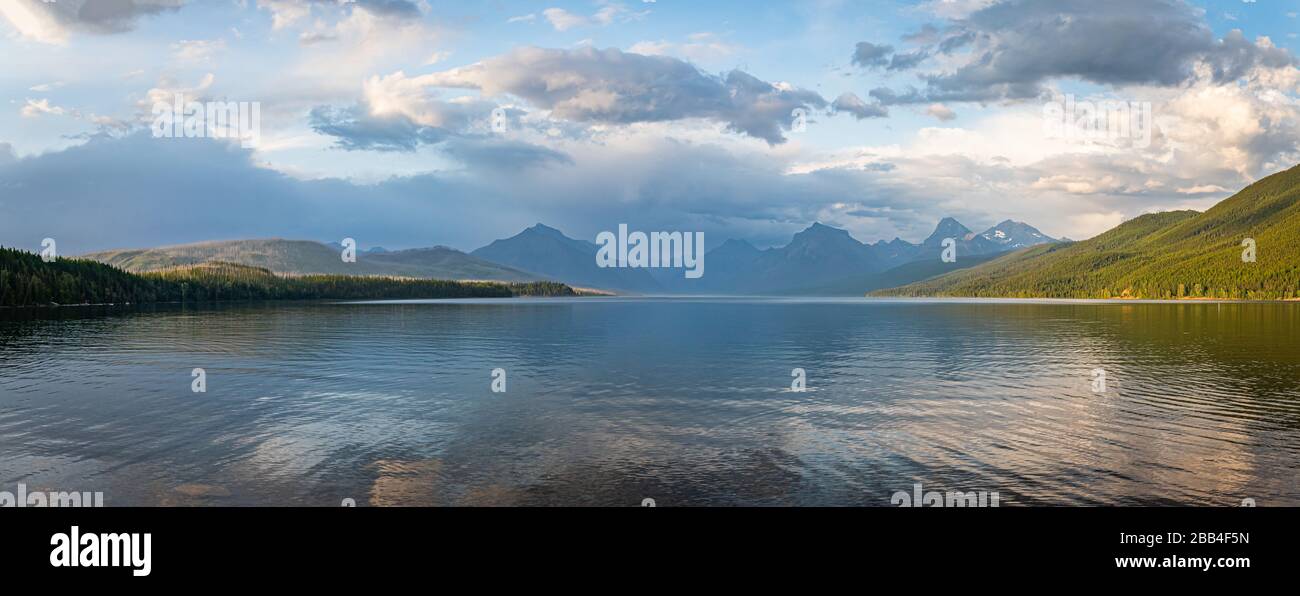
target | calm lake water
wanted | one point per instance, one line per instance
(685, 401)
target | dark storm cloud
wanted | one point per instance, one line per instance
(1018, 45)
(616, 87)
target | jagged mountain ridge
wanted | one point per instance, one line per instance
(819, 256)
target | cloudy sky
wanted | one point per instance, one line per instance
(408, 123)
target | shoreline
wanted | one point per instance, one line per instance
(244, 301)
(1098, 300)
(939, 299)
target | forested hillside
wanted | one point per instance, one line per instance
(1179, 254)
(303, 257)
(26, 280)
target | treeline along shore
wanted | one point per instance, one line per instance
(26, 280)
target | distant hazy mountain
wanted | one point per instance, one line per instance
(1158, 255)
(725, 268)
(546, 251)
(815, 256)
(304, 256)
(896, 250)
(818, 260)
(828, 261)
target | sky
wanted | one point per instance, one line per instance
(409, 123)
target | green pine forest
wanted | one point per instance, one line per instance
(26, 280)
(1170, 255)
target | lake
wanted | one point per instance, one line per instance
(686, 401)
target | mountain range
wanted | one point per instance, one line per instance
(818, 260)
(1175, 254)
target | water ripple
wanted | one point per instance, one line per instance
(687, 401)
